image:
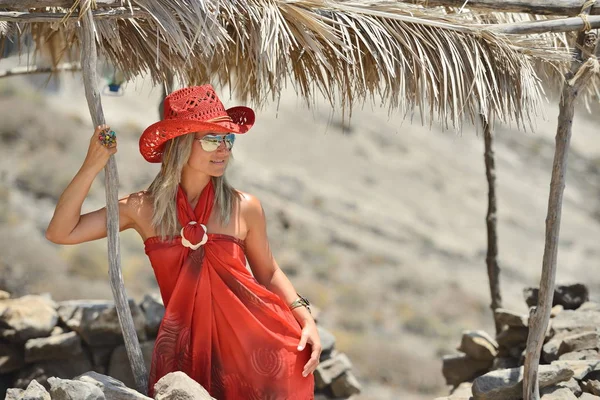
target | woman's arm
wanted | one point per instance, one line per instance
(68, 226)
(267, 272)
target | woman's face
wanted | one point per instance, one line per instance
(212, 163)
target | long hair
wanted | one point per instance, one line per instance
(163, 189)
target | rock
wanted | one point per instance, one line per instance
(179, 386)
(579, 321)
(11, 357)
(345, 385)
(570, 297)
(581, 341)
(112, 388)
(581, 355)
(513, 337)
(329, 370)
(593, 387)
(571, 385)
(43, 370)
(97, 322)
(14, 394)
(35, 391)
(57, 330)
(557, 394)
(580, 369)
(589, 306)
(154, 311)
(461, 368)
(119, 367)
(510, 318)
(327, 343)
(4, 295)
(508, 384)
(53, 347)
(462, 391)
(556, 310)
(588, 396)
(64, 389)
(478, 345)
(26, 318)
(504, 363)
(101, 357)
(550, 348)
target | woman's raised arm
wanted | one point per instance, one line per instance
(68, 226)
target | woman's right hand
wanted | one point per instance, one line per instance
(98, 154)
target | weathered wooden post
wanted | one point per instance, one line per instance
(575, 80)
(132, 345)
(491, 258)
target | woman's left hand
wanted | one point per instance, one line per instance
(310, 335)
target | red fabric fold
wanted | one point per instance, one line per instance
(221, 327)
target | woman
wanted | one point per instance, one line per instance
(240, 335)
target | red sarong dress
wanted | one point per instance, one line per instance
(221, 327)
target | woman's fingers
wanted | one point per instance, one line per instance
(312, 364)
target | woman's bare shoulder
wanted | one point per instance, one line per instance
(250, 206)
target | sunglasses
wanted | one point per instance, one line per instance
(212, 142)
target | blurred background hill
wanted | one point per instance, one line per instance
(379, 221)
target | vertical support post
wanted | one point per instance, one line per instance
(539, 319)
(132, 345)
(491, 258)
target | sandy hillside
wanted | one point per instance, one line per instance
(381, 224)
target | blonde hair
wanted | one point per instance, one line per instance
(163, 189)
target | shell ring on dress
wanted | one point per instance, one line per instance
(195, 233)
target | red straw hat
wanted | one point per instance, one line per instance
(193, 109)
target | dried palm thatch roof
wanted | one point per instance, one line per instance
(411, 58)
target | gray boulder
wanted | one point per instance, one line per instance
(119, 367)
(593, 387)
(581, 355)
(329, 370)
(64, 389)
(43, 370)
(97, 322)
(11, 357)
(154, 311)
(327, 343)
(581, 368)
(345, 386)
(588, 396)
(581, 341)
(26, 318)
(510, 318)
(55, 347)
(576, 321)
(112, 388)
(570, 297)
(179, 386)
(512, 337)
(508, 384)
(558, 394)
(34, 391)
(461, 368)
(478, 345)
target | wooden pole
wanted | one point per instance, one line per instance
(29, 70)
(578, 76)
(491, 258)
(542, 7)
(134, 352)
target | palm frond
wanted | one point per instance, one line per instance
(445, 65)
